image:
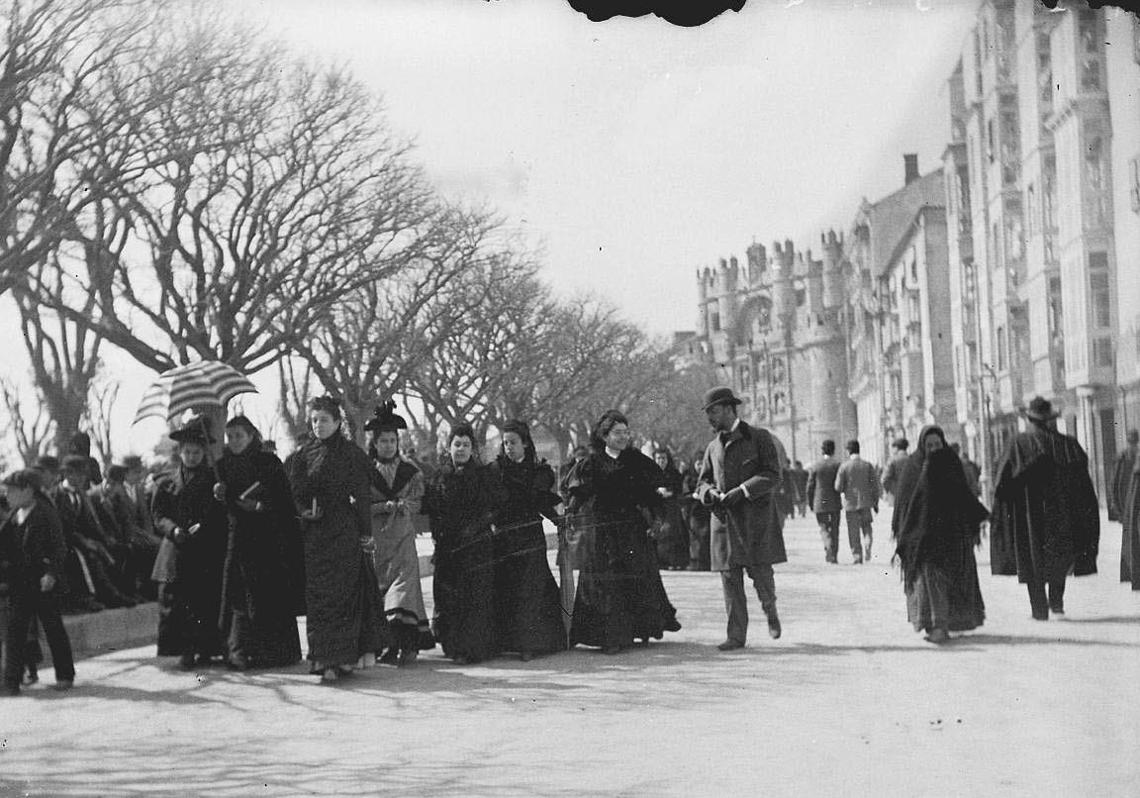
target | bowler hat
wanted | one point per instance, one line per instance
(720, 395)
(1040, 409)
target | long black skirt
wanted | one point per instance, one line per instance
(528, 609)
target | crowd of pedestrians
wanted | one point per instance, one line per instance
(234, 550)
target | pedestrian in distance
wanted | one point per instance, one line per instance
(825, 501)
(740, 482)
(32, 553)
(671, 535)
(1122, 476)
(1046, 519)
(259, 619)
(528, 607)
(397, 494)
(613, 496)
(461, 502)
(895, 466)
(1130, 529)
(329, 476)
(800, 477)
(936, 522)
(697, 516)
(857, 480)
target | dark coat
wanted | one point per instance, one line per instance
(1130, 531)
(263, 574)
(751, 533)
(345, 617)
(461, 503)
(193, 599)
(1046, 518)
(1121, 480)
(33, 549)
(821, 492)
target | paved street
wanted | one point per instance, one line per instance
(849, 702)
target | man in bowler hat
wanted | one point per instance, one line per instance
(739, 479)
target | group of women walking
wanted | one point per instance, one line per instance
(250, 543)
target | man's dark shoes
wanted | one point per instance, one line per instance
(186, 662)
(64, 684)
(774, 628)
(730, 645)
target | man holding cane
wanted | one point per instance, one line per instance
(739, 479)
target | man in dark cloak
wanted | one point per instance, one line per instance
(1046, 520)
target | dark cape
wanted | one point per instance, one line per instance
(191, 601)
(671, 533)
(620, 595)
(528, 609)
(1130, 522)
(345, 617)
(937, 525)
(1046, 519)
(461, 504)
(264, 577)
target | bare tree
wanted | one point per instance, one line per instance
(30, 425)
(268, 192)
(64, 355)
(99, 417)
(51, 53)
(372, 345)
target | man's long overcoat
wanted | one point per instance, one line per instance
(751, 532)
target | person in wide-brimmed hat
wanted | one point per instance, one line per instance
(739, 480)
(191, 558)
(1046, 518)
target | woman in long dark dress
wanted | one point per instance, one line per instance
(191, 563)
(671, 532)
(345, 621)
(259, 597)
(528, 610)
(698, 518)
(460, 502)
(613, 492)
(936, 522)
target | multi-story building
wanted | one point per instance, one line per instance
(896, 314)
(772, 328)
(1032, 262)
(1122, 68)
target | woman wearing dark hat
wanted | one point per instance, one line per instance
(397, 491)
(937, 522)
(613, 492)
(345, 621)
(1046, 518)
(191, 562)
(528, 610)
(32, 553)
(260, 595)
(460, 501)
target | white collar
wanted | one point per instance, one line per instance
(853, 456)
(613, 452)
(22, 514)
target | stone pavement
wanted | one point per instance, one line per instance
(850, 701)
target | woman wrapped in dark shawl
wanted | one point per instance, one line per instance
(936, 526)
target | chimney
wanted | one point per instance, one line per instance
(910, 163)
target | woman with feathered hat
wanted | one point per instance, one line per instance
(397, 491)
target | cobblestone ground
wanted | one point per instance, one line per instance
(850, 701)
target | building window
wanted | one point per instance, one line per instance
(716, 321)
(1102, 352)
(1001, 346)
(1100, 290)
(1055, 311)
(990, 140)
(1134, 182)
(1136, 38)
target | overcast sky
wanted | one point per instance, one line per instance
(632, 151)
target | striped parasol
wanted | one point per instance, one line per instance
(208, 383)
